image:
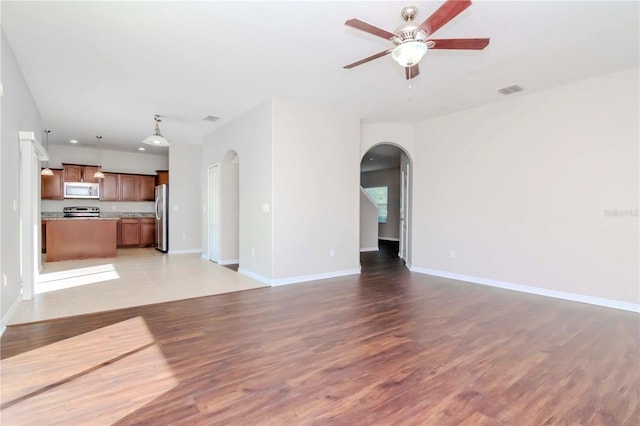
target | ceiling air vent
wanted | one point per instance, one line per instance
(510, 89)
(210, 118)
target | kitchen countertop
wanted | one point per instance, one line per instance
(80, 218)
(103, 215)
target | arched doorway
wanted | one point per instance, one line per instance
(385, 177)
(224, 210)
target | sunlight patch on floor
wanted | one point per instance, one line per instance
(59, 280)
(120, 362)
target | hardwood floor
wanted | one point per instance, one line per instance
(386, 347)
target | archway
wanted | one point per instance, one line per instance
(385, 178)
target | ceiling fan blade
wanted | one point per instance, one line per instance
(449, 10)
(460, 43)
(365, 60)
(412, 71)
(369, 28)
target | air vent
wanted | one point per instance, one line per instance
(510, 89)
(211, 118)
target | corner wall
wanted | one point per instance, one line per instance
(185, 188)
(19, 112)
(250, 136)
(316, 174)
(541, 190)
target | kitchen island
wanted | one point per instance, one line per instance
(81, 238)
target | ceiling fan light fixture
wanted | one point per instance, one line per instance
(156, 139)
(409, 53)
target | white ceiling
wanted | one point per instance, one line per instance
(105, 68)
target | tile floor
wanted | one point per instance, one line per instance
(134, 277)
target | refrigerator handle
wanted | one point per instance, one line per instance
(157, 214)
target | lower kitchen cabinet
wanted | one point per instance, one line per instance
(147, 231)
(137, 232)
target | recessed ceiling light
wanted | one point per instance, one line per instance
(141, 149)
(73, 141)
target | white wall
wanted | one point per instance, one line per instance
(391, 179)
(368, 223)
(19, 112)
(185, 198)
(316, 173)
(521, 189)
(250, 136)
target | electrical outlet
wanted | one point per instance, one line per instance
(253, 252)
(452, 254)
(332, 252)
(4, 279)
(184, 237)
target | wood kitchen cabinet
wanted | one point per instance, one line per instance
(79, 173)
(52, 187)
(147, 231)
(137, 232)
(128, 188)
(162, 177)
(110, 187)
(146, 188)
(129, 231)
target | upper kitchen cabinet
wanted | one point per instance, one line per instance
(137, 188)
(110, 187)
(52, 187)
(128, 188)
(146, 188)
(162, 177)
(79, 173)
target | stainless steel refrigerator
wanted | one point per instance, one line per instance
(162, 218)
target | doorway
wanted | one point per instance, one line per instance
(385, 175)
(213, 231)
(224, 211)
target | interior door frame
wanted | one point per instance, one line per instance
(213, 213)
(405, 195)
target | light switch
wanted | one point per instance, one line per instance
(265, 207)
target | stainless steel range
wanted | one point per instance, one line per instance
(81, 211)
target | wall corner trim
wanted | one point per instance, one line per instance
(314, 277)
(300, 278)
(257, 277)
(7, 315)
(574, 297)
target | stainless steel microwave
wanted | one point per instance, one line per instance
(81, 190)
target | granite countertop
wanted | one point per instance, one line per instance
(80, 218)
(103, 215)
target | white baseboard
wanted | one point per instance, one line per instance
(185, 251)
(257, 277)
(575, 297)
(314, 277)
(7, 315)
(388, 239)
(229, 262)
(298, 279)
(363, 249)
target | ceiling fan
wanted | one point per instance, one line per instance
(412, 41)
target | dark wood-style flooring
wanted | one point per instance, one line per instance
(386, 347)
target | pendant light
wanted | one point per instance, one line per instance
(156, 139)
(99, 174)
(46, 171)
